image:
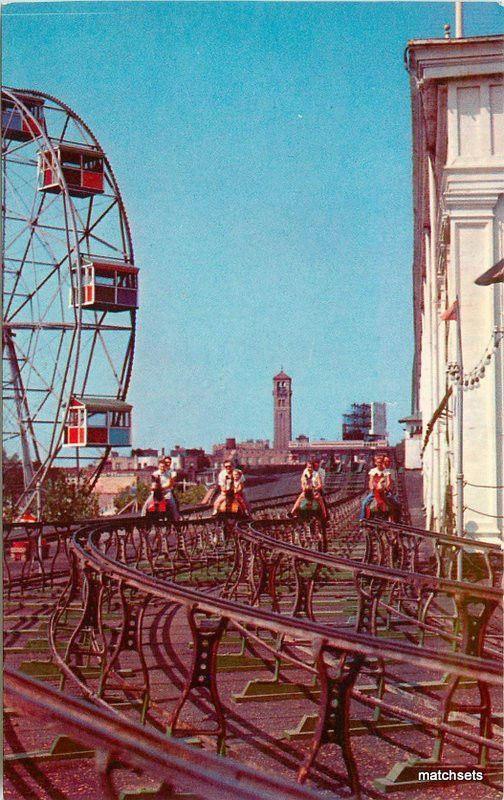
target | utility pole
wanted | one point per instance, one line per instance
(459, 454)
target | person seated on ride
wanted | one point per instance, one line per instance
(311, 486)
(156, 492)
(226, 485)
(170, 486)
(378, 478)
(239, 496)
(162, 483)
(392, 484)
(318, 485)
(318, 466)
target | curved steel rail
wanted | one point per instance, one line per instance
(204, 775)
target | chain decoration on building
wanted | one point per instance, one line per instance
(471, 380)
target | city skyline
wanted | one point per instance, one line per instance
(270, 153)
(335, 435)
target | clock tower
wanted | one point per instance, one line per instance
(282, 411)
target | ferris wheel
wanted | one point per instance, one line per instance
(70, 294)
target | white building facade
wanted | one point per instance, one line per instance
(458, 187)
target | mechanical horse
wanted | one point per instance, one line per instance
(158, 508)
(312, 511)
(381, 506)
(310, 506)
(230, 506)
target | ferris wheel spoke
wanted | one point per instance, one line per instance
(127, 363)
(56, 295)
(39, 286)
(13, 419)
(83, 227)
(29, 219)
(38, 409)
(104, 242)
(20, 177)
(90, 228)
(9, 436)
(30, 350)
(26, 360)
(22, 162)
(33, 217)
(23, 259)
(85, 234)
(55, 373)
(89, 214)
(13, 146)
(109, 359)
(94, 340)
(31, 353)
(65, 127)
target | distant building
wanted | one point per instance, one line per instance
(334, 452)
(282, 411)
(190, 461)
(139, 459)
(366, 422)
(252, 452)
(146, 458)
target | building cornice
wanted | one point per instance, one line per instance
(472, 188)
(445, 59)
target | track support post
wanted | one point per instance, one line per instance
(337, 673)
(207, 633)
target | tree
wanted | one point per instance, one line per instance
(140, 491)
(192, 496)
(12, 482)
(65, 502)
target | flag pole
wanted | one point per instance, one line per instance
(459, 20)
(459, 454)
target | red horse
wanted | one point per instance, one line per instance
(381, 507)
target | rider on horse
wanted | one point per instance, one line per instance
(311, 498)
(231, 499)
(380, 499)
(239, 494)
(162, 499)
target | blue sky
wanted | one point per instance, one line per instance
(264, 154)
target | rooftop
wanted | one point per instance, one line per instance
(457, 40)
(103, 403)
(282, 376)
